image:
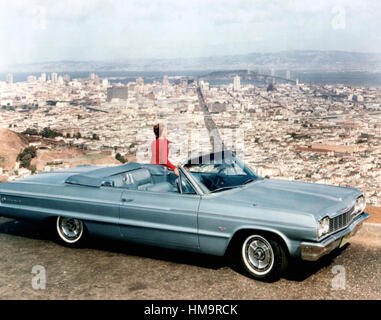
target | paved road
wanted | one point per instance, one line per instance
(114, 270)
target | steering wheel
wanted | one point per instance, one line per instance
(221, 170)
(223, 167)
(217, 182)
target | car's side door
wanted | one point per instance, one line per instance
(160, 218)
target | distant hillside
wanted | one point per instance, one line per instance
(11, 144)
(295, 60)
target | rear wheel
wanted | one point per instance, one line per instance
(262, 257)
(70, 231)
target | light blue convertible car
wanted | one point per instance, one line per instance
(217, 205)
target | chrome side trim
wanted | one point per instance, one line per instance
(157, 208)
(36, 195)
(261, 222)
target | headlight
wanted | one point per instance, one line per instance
(360, 204)
(323, 227)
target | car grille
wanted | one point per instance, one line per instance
(341, 220)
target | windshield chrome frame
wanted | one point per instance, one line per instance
(191, 180)
(196, 184)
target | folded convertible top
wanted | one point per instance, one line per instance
(84, 180)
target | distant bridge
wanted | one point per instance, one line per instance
(269, 76)
(245, 75)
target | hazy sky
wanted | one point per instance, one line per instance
(50, 30)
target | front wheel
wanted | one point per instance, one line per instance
(70, 231)
(262, 257)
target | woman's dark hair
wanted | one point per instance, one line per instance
(157, 129)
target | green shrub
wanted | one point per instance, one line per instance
(33, 169)
(25, 157)
(31, 132)
(49, 133)
(120, 158)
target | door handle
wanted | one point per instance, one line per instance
(127, 200)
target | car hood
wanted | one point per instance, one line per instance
(282, 195)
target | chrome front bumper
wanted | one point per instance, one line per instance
(312, 251)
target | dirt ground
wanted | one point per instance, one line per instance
(108, 269)
(375, 214)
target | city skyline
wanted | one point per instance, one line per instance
(323, 134)
(36, 31)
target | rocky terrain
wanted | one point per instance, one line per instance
(11, 144)
(50, 155)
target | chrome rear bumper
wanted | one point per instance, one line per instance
(312, 251)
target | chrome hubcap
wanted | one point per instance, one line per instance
(258, 254)
(71, 229)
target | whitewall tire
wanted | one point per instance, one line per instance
(70, 231)
(262, 257)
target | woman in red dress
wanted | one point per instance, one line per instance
(160, 148)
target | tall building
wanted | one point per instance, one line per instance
(43, 77)
(104, 83)
(9, 78)
(184, 83)
(66, 78)
(94, 77)
(120, 93)
(54, 77)
(165, 80)
(204, 85)
(140, 81)
(237, 83)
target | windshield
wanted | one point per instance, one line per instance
(220, 171)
